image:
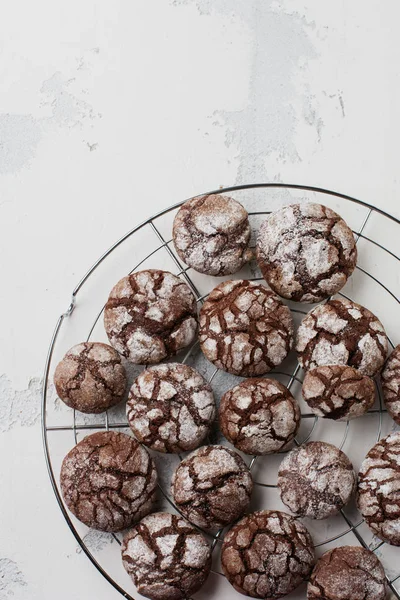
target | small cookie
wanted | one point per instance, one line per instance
(259, 416)
(244, 328)
(338, 392)
(212, 487)
(342, 332)
(306, 252)
(211, 234)
(347, 573)
(108, 481)
(316, 480)
(150, 315)
(171, 408)
(391, 384)
(268, 554)
(166, 557)
(90, 377)
(379, 489)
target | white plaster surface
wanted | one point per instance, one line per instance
(112, 111)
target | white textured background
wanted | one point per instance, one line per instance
(111, 111)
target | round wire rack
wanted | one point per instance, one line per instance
(375, 283)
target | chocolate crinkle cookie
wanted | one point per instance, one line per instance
(306, 252)
(268, 554)
(259, 416)
(342, 332)
(211, 234)
(150, 315)
(166, 557)
(108, 481)
(316, 480)
(338, 392)
(171, 408)
(212, 487)
(391, 384)
(90, 377)
(379, 489)
(347, 573)
(244, 328)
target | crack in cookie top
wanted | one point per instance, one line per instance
(244, 328)
(342, 332)
(211, 234)
(259, 416)
(379, 489)
(90, 377)
(306, 252)
(150, 315)
(347, 573)
(268, 554)
(212, 487)
(316, 480)
(338, 392)
(108, 481)
(391, 384)
(166, 557)
(171, 408)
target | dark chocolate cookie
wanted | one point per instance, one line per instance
(244, 328)
(306, 252)
(268, 554)
(108, 481)
(391, 384)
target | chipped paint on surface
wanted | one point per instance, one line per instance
(11, 579)
(21, 407)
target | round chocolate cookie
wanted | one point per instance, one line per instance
(306, 252)
(212, 487)
(391, 384)
(90, 377)
(338, 392)
(171, 408)
(342, 332)
(244, 328)
(316, 480)
(347, 573)
(150, 315)
(211, 234)
(166, 557)
(379, 489)
(108, 481)
(267, 555)
(259, 416)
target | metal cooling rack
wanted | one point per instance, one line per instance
(352, 526)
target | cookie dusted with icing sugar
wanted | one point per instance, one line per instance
(391, 384)
(211, 234)
(244, 328)
(306, 252)
(342, 332)
(150, 315)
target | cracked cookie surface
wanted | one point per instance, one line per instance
(259, 416)
(306, 252)
(378, 497)
(212, 487)
(391, 384)
(267, 554)
(108, 481)
(316, 480)
(171, 408)
(150, 315)
(244, 328)
(211, 234)
(166, 557)
(342, 332)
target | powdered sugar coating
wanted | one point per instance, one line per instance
(316, 480)
(379, 489)
(166, 557)
(391, 384)
(244, 328)
(306, 252)
(171, 408)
